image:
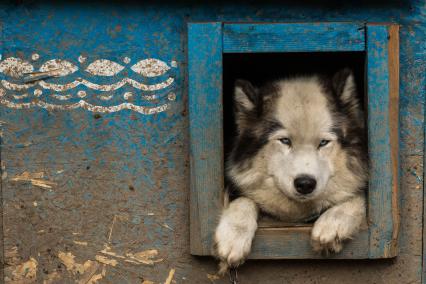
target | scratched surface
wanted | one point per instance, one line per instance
(95, 189)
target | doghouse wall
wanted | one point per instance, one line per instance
(92, 191)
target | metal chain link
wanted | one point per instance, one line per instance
(233, 276)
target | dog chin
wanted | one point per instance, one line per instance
(301, 198)
(295, 196)
(305, 198)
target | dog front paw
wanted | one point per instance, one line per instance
(330, 230)
(235, 232)
(232, 244)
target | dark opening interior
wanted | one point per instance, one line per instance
(259, 68)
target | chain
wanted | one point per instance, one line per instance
(233, 275)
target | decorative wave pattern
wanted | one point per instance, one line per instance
(84, 105)
(22, 86)
(104, 67)
(15, 67)
(58, 67)
(105, 88)
(150, 67)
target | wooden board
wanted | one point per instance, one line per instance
(206, 138)
(382, 74)
(293, 37)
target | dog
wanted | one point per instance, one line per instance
(299, 151)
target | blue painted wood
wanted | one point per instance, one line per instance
(135, 166)
(295, 243)
(382, 209)
(207, 167)
(117, 179)
(302, 37)
(206, 140)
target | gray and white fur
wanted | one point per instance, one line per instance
(299, 151)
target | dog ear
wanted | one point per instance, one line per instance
(246, 100)
(245, 96)
(344, 86)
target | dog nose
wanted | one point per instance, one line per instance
(305, 184)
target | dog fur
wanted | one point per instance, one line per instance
(307, 126)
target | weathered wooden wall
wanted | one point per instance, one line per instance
(90, 195)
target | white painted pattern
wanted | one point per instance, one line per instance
(20, 70)
(84, 105)
(20, 97)
(128, 95)
(82, 59)
(15, 67)
(150, 67)
(104, 67)
(81, 94)
(35, 56)
(60, 67)
(38, 92)
(105, 97)
(126, 60)
(105, 88)
(16, 87)
(62, 97)
(171, 96)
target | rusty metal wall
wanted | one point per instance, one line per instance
(95, 177)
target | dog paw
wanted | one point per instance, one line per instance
(232, 243)
(235, 232)
(330, 230)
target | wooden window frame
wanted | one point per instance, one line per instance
(206, 44)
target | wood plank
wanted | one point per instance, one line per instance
(293, 37)
(295, 243)
(206, 141)
(394, 130)
(2, 173)
(383, 140)
(271, 223)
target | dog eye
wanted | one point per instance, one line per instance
(323, 143)
(285, 141)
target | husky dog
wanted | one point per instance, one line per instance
(299, 151)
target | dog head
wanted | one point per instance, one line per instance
(296, 132)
